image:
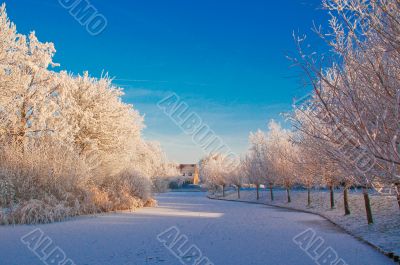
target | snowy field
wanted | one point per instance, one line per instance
(225, 232)
(384, 233)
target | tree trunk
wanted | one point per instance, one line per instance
(238, 191)
(289, 200)
(346, 200)
(22, 128)
(397, 185)
(332, 197)
(271, 191)
(308, 197)
(223, 190)
(258, 192)
(368, 206)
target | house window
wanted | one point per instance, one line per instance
(190, 174)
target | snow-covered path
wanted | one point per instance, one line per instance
(228, 233)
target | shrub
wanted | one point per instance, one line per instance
(47, 182)
(161, 184)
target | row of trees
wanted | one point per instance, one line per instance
(346, 132)
(68, 144)
(280, 158)
(269, 162)
(351, 119)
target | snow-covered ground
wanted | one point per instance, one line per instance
(384, 233)
(225, 232)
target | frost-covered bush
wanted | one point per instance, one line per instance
(41, 183)
(136, 183)
(48, 183)
(160, 184)
(128, 190)
(40, 211)
(163, 184)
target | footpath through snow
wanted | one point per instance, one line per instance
(224, 232)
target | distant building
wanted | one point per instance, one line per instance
(190, 172)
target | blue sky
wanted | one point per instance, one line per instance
(225, 59)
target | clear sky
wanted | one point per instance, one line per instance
(224, 58)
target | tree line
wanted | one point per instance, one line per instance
(69, 145)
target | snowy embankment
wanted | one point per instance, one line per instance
(384, 233)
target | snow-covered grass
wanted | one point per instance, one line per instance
(383, 233)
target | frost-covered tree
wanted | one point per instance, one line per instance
(253, 173)
(307, 164)
(104, 130)
(357, 96)
(323, 158)
(282, 158)
(256, 160)
(27, 89)
(150, 159)
(238, 177)
(68, 143)
(215, 171)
